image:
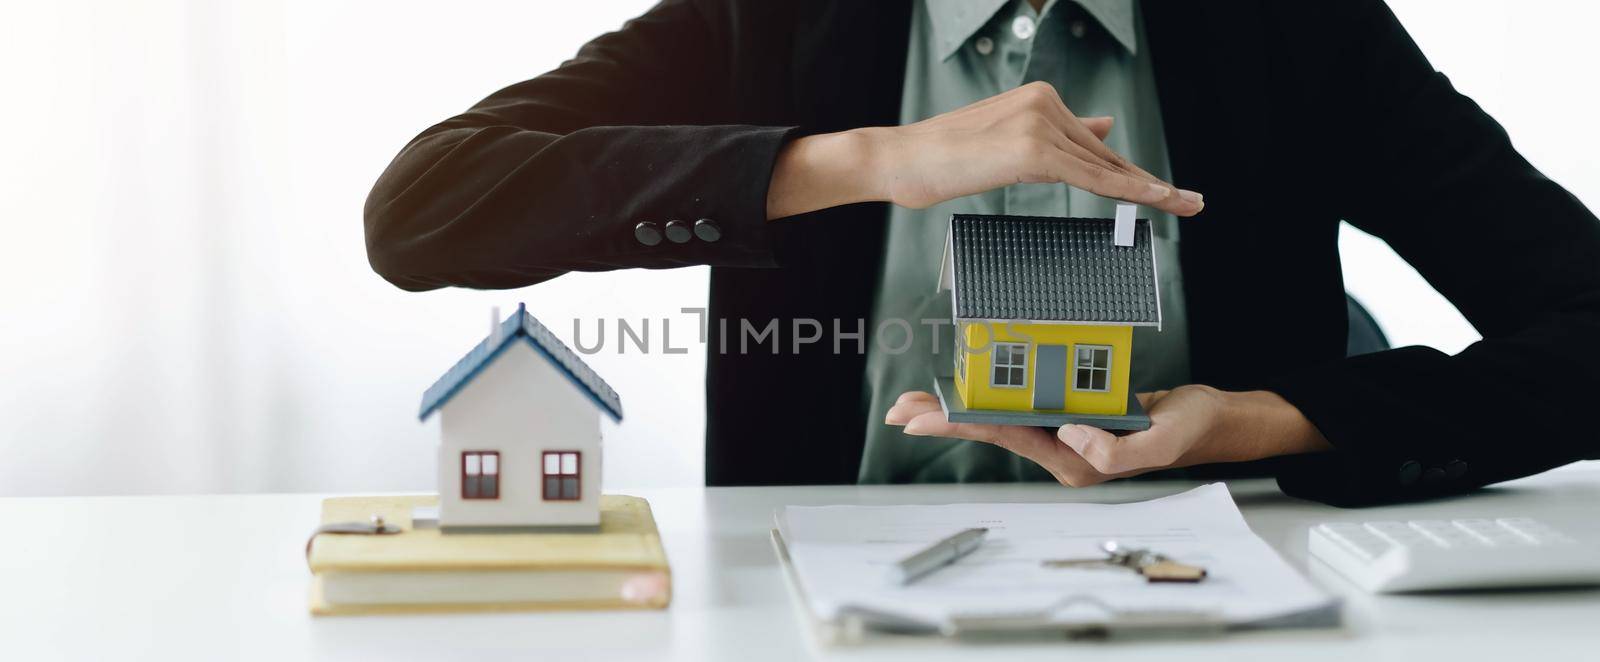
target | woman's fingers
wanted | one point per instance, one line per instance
(1148, 400)
(1006, 97)
(1026, 134)
(1092, 148)
(1075, 165)
(904, 411)
(1176, 200)
(1077, 131)
(1099, 126)
(1033, 443)
(916, 396)
(1118, 456)
(1102, 181)
(1119, 179)
(922, 415)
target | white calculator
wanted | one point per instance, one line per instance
(1427, 555)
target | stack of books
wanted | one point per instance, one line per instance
(621, 566)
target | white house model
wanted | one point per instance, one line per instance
(520, 434)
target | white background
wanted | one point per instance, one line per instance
(185, 304)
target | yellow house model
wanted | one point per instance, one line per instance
(1044, 313)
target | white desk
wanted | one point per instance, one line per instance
(222, 577)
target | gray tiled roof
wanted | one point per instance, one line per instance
(1052, 269)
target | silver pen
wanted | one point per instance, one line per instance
(937, 555)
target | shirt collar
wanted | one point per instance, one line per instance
(955, 21)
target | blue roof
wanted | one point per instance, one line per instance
(522, 326)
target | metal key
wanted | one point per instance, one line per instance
(1155, 567)
(1116, 556)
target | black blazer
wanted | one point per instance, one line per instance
(1289, 116)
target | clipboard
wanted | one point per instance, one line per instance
(865, 625)
(859, 625)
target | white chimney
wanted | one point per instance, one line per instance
(1122, 233)
(494, 320)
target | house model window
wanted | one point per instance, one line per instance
(480, 475)
(562, 479)
(1092, 369)
(1010, 365)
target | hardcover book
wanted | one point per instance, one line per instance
(620, 566)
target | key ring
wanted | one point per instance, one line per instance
(1136, 557)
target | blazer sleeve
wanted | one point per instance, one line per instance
(1427, 170)
(552, 174)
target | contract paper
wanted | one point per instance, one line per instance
(840, 557)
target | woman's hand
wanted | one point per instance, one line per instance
(1025, 135)
(1189, 425)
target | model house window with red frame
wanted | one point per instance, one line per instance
(480, 475)
(562, 479)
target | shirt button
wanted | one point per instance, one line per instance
(1455, 469)
(647, 233)
(707, 230)
(984, 45)
(1078, 29)
(1022, 26)
(678, 232)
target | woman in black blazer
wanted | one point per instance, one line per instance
(1289, 117)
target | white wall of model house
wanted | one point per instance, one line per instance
(520, 406)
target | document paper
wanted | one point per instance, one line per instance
(841, 555)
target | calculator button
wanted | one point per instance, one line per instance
(1492, 532)
(1534, 530)
(1444, 533)
(1486, 535)
(1397, 533)
(1358, 539)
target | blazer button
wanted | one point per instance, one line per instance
(678, 232)
(647, 233)
(1433, 476)
(1455, 469)
(1410, 472)
(707, 230)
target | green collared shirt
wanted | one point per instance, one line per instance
(962, 51)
